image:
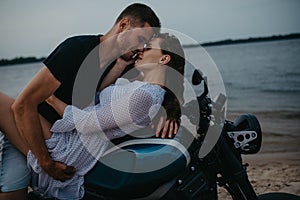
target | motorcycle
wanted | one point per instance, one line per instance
(173, 169)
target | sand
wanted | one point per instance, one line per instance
(276, 168)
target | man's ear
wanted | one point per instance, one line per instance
(165, 59)
(124, 24)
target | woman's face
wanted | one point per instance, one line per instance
(150, 56)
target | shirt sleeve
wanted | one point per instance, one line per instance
(135, 110)
(64, 60)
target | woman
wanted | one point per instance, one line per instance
(122, 110)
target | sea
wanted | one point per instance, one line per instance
(257, 76)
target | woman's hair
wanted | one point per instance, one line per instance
(140, 14)
(173, 99)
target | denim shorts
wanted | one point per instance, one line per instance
(14, 173)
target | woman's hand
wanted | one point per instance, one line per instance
(51, 100)
(57, 104)
(166, 128)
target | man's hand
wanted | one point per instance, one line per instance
(115, 72)
(122, 64)
(58, 170)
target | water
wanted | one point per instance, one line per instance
(261, 76)
(14, 78)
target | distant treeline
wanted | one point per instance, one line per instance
(20, 60)
(256, 39)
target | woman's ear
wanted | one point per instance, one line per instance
(165, 59)
(123, 24)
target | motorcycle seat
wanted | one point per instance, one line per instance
(137, 167)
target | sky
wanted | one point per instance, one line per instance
(35, 27)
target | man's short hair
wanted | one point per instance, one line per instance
(140, 14)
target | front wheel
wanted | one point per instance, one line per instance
(278, 196)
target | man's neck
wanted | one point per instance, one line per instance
(108, 50)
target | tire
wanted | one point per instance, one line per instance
(278, 196)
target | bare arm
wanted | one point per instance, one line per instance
(115, 72)
(28, 122)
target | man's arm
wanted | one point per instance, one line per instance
(25, 110)
(115, 72)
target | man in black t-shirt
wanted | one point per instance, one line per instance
(76, 56)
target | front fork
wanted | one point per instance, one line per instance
(234, 175)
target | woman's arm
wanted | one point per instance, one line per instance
(57, 104)
(163, 128)
(134, 109)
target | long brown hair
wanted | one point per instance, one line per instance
(173, 99)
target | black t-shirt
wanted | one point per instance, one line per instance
(75, 64)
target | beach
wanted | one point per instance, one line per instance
(264, 84)
(276, 168)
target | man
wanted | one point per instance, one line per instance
(132, 29)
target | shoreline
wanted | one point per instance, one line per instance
(291, 36)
